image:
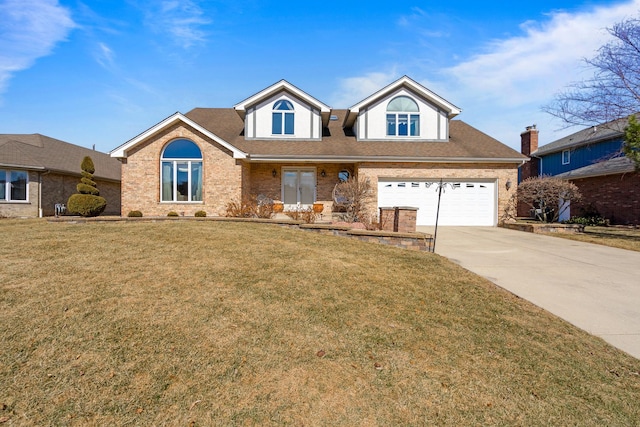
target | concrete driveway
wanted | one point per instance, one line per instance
(596, 288)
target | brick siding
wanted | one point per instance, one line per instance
(615, 197)
(222, 176)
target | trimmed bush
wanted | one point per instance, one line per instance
(201, 214)
(86, 205)
(134, 214)
(173, 213)
(88, 201)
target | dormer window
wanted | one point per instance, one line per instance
(282, 118)
(403, 117)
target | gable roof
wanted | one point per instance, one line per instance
(121, 151)
(607, 132)
(283, 85)
(466, 144)
(39, 152)
(403, 82)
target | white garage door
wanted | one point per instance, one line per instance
(462, 202)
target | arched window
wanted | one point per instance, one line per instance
(181, 170)
(282, 118)
(403, 117)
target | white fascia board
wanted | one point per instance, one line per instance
(412, 85)
(121, 151)
(380, 159)
(242, 106)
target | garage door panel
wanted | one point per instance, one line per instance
(462, 203)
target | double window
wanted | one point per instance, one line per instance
(181, 170)
(282, 118)
(403, 117)
(13, 185)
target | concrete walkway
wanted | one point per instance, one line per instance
(596, 288)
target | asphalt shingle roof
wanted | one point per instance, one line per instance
(35, 151)
(465, 142)
(586, 136)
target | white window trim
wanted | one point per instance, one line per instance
(174, 163)
(7, 187)
(568, 152)
(283, 119)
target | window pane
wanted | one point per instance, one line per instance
(196, 181)
(167, 181)
(3, 185)
(182, 181)
(391, 124)
(288, 123)
(182, 149)
(276, 124)
(402, 125)
(402, 103)
(18, 185)
(283, 104)
(415, 125)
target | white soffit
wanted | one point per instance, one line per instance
(121, 151)
(410, 84)
(283, 85)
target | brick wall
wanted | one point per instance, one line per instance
(500, 172)
(263, 182)
(57, 188)
(222, 176)
(615, 197)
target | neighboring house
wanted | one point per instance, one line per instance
(286, 145)
(593, 160)
(38, 172)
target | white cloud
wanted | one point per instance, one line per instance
(503, 88)
(182, 20)
(105, 56)
(354, 89)
(29, 29)
(548, 56)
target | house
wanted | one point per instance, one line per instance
(287, 145)
(592, 159)
(37, 172)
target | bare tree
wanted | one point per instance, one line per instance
(354, 195)
(548, 196)
(614, 90)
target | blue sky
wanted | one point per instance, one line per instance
(100, 72)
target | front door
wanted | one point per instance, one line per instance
(298, 187)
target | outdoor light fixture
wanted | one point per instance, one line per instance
(508, 184)
(274, 173)
(323, 173)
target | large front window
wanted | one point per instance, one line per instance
(282, 118)
(181, 170)
(13, 185)
(403, 117)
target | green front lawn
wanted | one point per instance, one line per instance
(221, 323)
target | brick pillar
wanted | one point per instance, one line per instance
(387, 219)
(399, 219)
(407, 219)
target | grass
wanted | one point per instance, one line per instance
(617, 237)
(220, 323)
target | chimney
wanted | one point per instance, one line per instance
(529, 140)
